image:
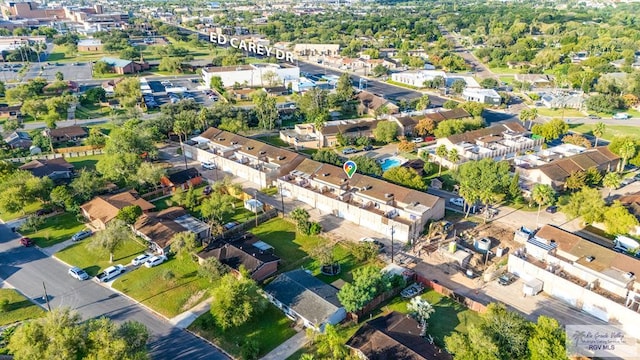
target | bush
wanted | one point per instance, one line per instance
(4, 305)
(168, 275)
(250, 350)
(365, 251)
(315, 228)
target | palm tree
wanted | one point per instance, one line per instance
(542, 194)
(528, 115)
(442, 152)
(453, 156)
(331, 343)
(598, 131)
(611, 181)
(627, 151)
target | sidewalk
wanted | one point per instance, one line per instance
(182, 321)
(287, 348)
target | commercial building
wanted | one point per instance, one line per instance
(483, 96)
(10, 43)
(316, 49)
(90, 45)
(586, 275)
(417, 77)
(253, 75)
(499, 142)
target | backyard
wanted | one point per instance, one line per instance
(240, 214)
(268, 330)
(18, 308)
(55, 229)
(169, 288)
(84, 162)
(79, 255)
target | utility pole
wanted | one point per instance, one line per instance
(282, 199)
(392, 232)
(46, 297)
(255, 205)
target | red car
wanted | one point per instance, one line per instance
(26, 242)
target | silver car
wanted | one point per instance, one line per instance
(78, 273)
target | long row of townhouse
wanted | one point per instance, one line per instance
(364, 200)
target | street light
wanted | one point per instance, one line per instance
(392, 232)
(282, 199)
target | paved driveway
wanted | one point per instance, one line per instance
(28, 268)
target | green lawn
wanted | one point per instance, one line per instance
(18, 309)
(506, 79)
(269, 330)
(28, 209)
(611, 131)
(56, 229)
(309, 152)
(166, 294)
(57, 55)
(91, 111)
(504, 71)
(240, 215)
(291, 247)
(79, 255)
(559, 113)
(84, 162)
(273, 140)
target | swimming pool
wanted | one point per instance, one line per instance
(391, 162)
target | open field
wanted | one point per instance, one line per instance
(611, 131)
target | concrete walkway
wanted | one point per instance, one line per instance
(287, 348)
(185, 319)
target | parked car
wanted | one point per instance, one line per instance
(430, 138)
(83, 234)
(207, 190)
(209, 166)
(628, 181)
(155, 260)
(140, 259)
(78, 273)
(506, 279)
(349, 150)
(457, 201)
(592, 116)
(368, 148)
(111, 272)
(552, 209)
(231, 225)
(26, 242)
(621, 116)
(417, 140)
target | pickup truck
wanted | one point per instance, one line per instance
(111, 272)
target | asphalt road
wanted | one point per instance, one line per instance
(27, 268)
(481, 71)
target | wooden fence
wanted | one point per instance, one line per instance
(26, 159)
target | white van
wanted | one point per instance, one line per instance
(110, 273)
(625, 244)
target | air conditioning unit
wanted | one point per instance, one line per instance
(590, 258)
(629, 275)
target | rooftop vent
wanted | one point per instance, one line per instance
(344, 180)
(388, 195)
(590, 258)
(629, 275)
(249, 147)
(234, 142)
(281, 157)
(326, 174)
(262, 152)
(221, 139)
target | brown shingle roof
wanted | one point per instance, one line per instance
(69, 131)
(44, 167)
(471, 136)
(160, 230)
(105, 208)
(373, 102)
(565, 240)
(457, 113)
(560, 169)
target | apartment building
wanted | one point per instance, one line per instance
(253, 75)
(370, 202)
(499, 142)
(587, 275)
(243, 157)
(306, 136)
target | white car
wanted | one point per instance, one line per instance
(156, 260)
(111, 272)
(209, 166)
(417, 140)
(78, 273)
(457, 201)
(140, 259)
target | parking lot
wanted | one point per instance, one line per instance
(161, 97)
(78, 72)
(9, 71)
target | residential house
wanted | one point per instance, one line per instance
(380, 206)
(483, 96)
(407, 124)
(632, 203)
(10, 111)
(121, 66)
(276, 90)
(559, 100)
(416, 165)
(242, 94)
(302, 136)
(160, 228)
(536, 80)
(109, 86)
(54, 169)
(328, 135)
(90, 45)
(304, 298)
(102, 209)
(590, 276)
(394, 336)
(18, 140)
(247, 158)
(375, 105)
(183, 179)
(254, 255)
(63, 134)
(316, 49)
(554, 169)
(499, 142)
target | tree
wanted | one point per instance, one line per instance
(211, 268)
(604, 103)
(94, 95)
(62, 197)
(618, 220)
(128, 91)
(32, 223)
(425, 127)
(331, 344)
(547, 340)
(458, 86)
(327, 156)
(129, 214)
(86, 184)
(598, 131)
(528, 115)
(453, 156)
(485, 180)
(576, 180)
(3, 88)
(59, 76)
(450, 104)
(35, 108)
(217, 84)
(406, 146)
(420, 309)
(380, 70)
(365, 286)
(236, 301)
(217, 206)
(551, 130)
(150, 173)
(323, 253)
(476, 344)
(593, 176)
(96, 138)
(184, 243)
(489, 83)
(423, 102)
(367, 165)
(576, 139)
(612, 181)
(627, 150)
(385, 131)
(365, 251)
(111, 238)
(542, 194)
(265, 109)
(344, 88)
(587, 203)
(406, 177)
(441, 152)
(102, 67)
(62, 334)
